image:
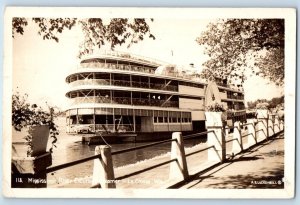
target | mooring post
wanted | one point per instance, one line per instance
(251, 132)
(237, 143)
(178, 169)
(103, 168)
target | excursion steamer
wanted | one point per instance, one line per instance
(119, 96)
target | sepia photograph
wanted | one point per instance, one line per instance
(149, 103)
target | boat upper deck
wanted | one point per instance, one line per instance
(127, 57)
(125, 63)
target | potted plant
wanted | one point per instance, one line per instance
(262, 110)
(214, 114)
(39, 123)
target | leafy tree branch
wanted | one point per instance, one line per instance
(232, 43)
(117, 31)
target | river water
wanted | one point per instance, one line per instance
(69, 148)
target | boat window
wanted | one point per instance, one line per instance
(73, 120)
(160, 119)
(165, 119)
(85, 119)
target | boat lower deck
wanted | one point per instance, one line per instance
(108, 138)
(116, 138)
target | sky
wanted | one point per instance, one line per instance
(41, 66)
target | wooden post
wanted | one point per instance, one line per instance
(237, 143)
(251, 132)
(178, 169)
(103, 168)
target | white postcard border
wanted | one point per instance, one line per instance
(290, 67)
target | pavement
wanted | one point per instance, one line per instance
(261, 167)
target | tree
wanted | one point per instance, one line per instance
(251, 105)
(273, 103)
(233, 44)
(117, 31)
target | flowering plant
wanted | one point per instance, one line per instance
(26, 115)
(215, 107)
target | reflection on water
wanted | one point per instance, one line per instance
(70, 149)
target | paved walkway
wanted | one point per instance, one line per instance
(261, 167)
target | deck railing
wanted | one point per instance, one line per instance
(125, 101)
(131, 56)
(123, 83)
(114, 66)
(236, 97)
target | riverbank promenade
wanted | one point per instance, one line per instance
(260, 167)
(252, 156)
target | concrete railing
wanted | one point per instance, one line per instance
(256, 130)
(218, 137)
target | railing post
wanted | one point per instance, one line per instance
(281, 124)
(267, 126)
(226, 131)
(103, 172)
(270, 126)
(237, 143)
(261, 129)
(276, 124)
(251, 132)
(178, 169)
(216, 138)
